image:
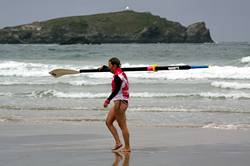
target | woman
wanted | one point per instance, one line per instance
(120, 96)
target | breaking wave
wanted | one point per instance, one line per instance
(245, 59)
(88, 95)
(24, 69)
(230, 85)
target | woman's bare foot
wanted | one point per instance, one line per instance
(126, 150)
(117, 148)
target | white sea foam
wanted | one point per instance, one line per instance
(14, 68)
(24, 69)
(6, 94)
(54, 93)
(58, 94)
(161, 109)
(2, 119)
(28, 82)
(233, 95)
(245, 59)
(230, 85)
(227, 126)
(86, 82)
(40, 82)
(11, 83)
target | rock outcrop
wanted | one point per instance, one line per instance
(198, 33)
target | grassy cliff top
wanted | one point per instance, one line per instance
(116, 22)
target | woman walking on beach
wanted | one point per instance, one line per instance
(120, 96)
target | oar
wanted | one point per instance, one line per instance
(60, 72)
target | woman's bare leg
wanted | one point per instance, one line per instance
(120, 117)
(109, 123)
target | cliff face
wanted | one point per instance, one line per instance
(198, 33)
(118, 27)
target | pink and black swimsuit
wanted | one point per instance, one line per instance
(120, 87)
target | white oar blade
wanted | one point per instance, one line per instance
(61, 72)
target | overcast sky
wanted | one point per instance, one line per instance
(228, 20)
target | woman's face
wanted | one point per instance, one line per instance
(112, 67)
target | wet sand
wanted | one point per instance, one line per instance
(63, 144)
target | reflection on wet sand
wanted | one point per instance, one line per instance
(119, 156)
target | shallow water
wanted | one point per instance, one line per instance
(217, 97)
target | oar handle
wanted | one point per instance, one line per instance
(199, 67)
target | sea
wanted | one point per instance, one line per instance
(215, 97)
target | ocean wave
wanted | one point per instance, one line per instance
(152, 109)
(186, 110)
(49, 119)
(88, 95)
(6, 94)
(230, 85)
(66, 82)
(209, 126)
(54, 93)
(24, 69)
(245, 59)
(227, 126)
(73, 83)
(79, 119)
(85, 83)
(7, 83)
(47, 108)
(232, 95)
(27, 69)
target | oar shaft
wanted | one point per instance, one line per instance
(92, 70)
(149, 68)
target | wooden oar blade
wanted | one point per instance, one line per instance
(61, 72)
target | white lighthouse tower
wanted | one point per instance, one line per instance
(127, 8)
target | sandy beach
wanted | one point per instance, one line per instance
(60, 144)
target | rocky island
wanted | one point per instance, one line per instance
(116, 27)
